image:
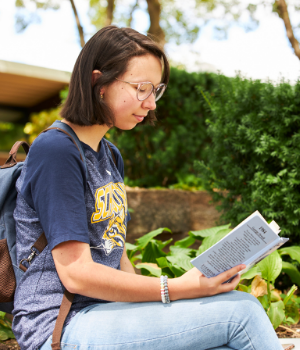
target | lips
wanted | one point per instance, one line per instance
(140, 118)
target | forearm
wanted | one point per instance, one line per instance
(102, 282)
(81, 275)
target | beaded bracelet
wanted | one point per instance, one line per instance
(164, 291)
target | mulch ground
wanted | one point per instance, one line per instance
(10, 344)
(292, 331)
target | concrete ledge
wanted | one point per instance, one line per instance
(295, 341)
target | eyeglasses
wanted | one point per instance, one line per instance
(145, 89)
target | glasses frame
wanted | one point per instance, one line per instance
(154, 89)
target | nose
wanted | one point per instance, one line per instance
(149, 103)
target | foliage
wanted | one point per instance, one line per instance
(9, 134)
(163, 155)
(42, 120)
(5, 328)
(182, 23)
(151, 257)
(254, 158)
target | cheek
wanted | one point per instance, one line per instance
(124, 105)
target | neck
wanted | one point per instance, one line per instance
(91, 135)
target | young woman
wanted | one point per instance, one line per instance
(117, 79)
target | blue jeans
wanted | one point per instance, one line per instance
(234, 320)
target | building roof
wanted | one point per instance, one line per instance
(23, 86)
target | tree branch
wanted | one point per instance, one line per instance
(154, 10)
(79, 27)
(109, 12)
(131, 12)
(283, 13)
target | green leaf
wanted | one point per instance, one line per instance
(181, 260)
(177, 271)
(271, 266)
(144, 240)
(169, 269)
(264, 301)
(134, 259)
(152, 252)
(243, 288)
(292, 312)
(185, 242)
(289, 294)
(276, 313)
(209, 231)
(254, 271)
(292, 271)
(156, 272)
(174, 250)
(293, 252)
(162, 262)
(130, 246)
(3, 335)
(210, 241)
(162, 245)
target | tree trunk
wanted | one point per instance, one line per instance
(283, 13)
(109, 12)
(79, 27)
(155, 30)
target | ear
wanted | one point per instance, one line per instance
(95, 76)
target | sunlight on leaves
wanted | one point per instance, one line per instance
(271, 266)
(152, 268)
(144, 240)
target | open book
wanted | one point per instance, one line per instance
(248, 243)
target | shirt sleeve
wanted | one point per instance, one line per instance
(54, 186)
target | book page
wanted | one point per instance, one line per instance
(255, 259)
(247, 239)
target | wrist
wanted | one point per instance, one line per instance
(176, 289)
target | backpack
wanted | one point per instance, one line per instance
(10, 270)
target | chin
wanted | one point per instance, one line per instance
(126, 127)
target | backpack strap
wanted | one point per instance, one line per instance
(62, 315)
(67, 300)
(12, 159)
(40, 244)
(112, 153)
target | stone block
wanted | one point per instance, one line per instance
(181, 211)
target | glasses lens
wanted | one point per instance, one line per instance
(144, 91)
(159, 91)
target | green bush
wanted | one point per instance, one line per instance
(164, 154)
(9, 134)
(254, 157)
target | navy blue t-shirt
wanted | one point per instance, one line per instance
(54, 197)
(63, 173)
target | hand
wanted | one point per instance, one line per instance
(193, 284)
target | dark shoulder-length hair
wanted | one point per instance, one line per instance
(108, 51)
